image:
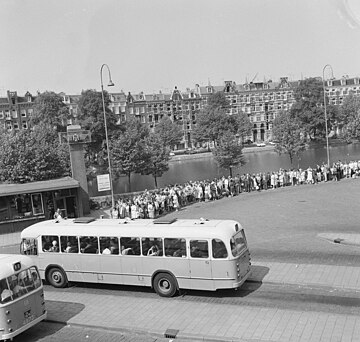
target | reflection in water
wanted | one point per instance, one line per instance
(205, 167)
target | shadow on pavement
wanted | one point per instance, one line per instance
(62, 311)
(258, 273)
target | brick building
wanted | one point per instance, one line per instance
(261, 101)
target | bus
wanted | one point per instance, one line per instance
(22, 302)
(165, 254)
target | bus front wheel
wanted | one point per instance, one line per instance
(165, 285)
(57, 277)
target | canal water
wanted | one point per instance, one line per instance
(203, 166)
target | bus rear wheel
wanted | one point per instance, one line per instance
(57, 277)
(165, 285)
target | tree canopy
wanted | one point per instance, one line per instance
(170, 133)
(36, 155)
(213, 122)
(289, 135)
(128, 153)
(157, 157)
(349, 118)
(228, 153)
(49, 109)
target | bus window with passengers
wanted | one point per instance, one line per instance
(165, 254)
(21, 295)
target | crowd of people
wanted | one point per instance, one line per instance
(154, 203)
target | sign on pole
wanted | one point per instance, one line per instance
(103, 182)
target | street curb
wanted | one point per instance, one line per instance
(137, 331)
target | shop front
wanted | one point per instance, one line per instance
(24, 204)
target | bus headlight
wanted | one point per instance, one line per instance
(7, 312)
(10, 329)
(8, 321)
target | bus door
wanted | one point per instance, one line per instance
(110, 261)
(200, 265)
(131, 261)
(89, 258)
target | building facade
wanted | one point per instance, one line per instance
(260, 101)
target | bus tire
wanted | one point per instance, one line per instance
(57, 277)
(165, 285)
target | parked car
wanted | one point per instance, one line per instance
(272, 143)
(260, 144)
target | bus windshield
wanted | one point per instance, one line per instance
(238, 243)
(19, 284)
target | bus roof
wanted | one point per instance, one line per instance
(186, 228)
(7, 262)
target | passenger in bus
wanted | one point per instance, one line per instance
(89, 248)
(153, 251)
(106, 250)
(54, 247)
(4, 291)
(126, 251)
(180, 253)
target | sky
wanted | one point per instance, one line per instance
(155, 45)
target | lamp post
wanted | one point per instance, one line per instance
(326, 125)
(110, 84)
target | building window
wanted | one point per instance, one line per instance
(7, 114)
(9, 126)
(131, 110)
(116, 110)
(30, 111)
(137, 110)
(122, 109)
(142, 110)
(1, 114)
(23, 113)
(16, 126)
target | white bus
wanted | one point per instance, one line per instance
(22, 302)
(166, 254)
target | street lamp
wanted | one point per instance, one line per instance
(110, 84)
(326, 126)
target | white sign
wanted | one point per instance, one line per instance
(103, 182)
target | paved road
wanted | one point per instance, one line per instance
(310, 289)
(283, 225)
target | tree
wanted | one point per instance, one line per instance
(228, 153)
(213, 122)
(91, 117)
(49, 109)
(128, 151)
(170, 133)
(308, 108)
(349, 118)
(36, 155)
(289, 135)
(156, 161)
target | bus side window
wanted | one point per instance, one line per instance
(89, 245)
(219, 249)
(69, 244)
(28, 247)
(175, 248)
(50, 243)
(5, 293)
(199, 249)
(35, 277)
(152, 246)
(109, 245)
(130, 246)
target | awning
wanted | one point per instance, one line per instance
(50, 185)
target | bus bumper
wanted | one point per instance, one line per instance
(24, 328)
